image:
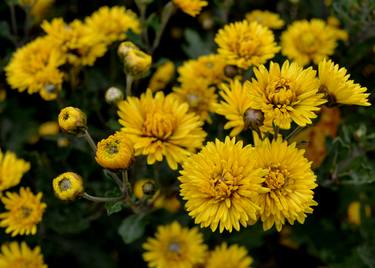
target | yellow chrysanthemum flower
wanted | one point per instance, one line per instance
(111, 23)
(265, 18)
(115, 152)
(208, 69)
(175, 246)
(161, 126)
(286, 94)
(354, 212)
(290, 182)
(80, 43)
(220, 184)
(244, 44)
(162, 76)
(190, 7)
(335, 84)
(24, 211)
(49, 128)
(19, 255)
(334, 24)
(11, 170)
(228, 257)
(68, 186)
(200, 97)
(35, 68)
(308, 41)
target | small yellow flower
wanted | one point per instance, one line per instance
(354, 212)
(308, 41)
(24, 211)
(228, 257)
(113, 95)
(200, 97)
(19, 255)
(3, 94)
(335, 84)
(163, 75)
(245, 44)
(265, 18)
(220, 184)
(142, 186)
(170, 203)
(49, 128)
(175, 246)
(289, 180)
(11, 170)
(286, 94)
(136, 62)
(111, 23)
(68, 186)
(190, 7)
(161, 126)
(40, 8)
(115, 152)
(72, 120)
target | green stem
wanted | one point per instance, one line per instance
(14, 22)
(101, 199)
(90, 141)
(125, 182)
(129, 83)
(165, 16)
(116, 179)
(144, 35)
(276, 131)
(294, 133)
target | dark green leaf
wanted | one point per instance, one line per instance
(132, 228)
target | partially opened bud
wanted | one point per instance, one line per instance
(144, 187)
(113, 95)
(136, 62)
(68, 186)
(73, 120)
(253, 119)
(231, 71)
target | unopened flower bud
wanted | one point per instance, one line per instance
(113, 95)
(253, 119)
(136, 62)
(72, 120)
(124, 49)
(149, 188)
(144, 187)
(68, 186)
(231, 71)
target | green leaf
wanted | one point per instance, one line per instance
(367, 254)
(195, 46)
(5, 31)
(113, 207)
(132, 228)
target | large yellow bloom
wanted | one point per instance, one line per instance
(208, 69)
(220, 184)
(335, 84)
(287, 94)
(161, 126)
(290, 182)
(19, 255)
(228, 257)
(200, 97)
(308, 41)
(175, 246)
(80, 43)
(162, 76)
(35, 68)
(11, 170)
(191, 7)
(111, 23)
(265, 18)
(244, 44)
(25, 211)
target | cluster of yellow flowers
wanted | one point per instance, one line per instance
(37, 66)
(24, 210)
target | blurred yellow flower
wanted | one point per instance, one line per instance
(170, 203)
(286, 94)
(3, 94)
(220, 185)
(334, 24)
(24, 211)
(68, 186)
(265, 18)
(175, 246)
(207, 69)
(200, 97)
(72, 120)
(35, 68)
(110, 24)
(162, 76)
(290, 182)
(245, 44)
(137, 63)
(225, 256)
(336, 86)
(161, 126)
(11, 170)
(49, 128)
(39, 8)
(354, 212)
(190, 7)
(308, 41)
(115, 152)
(19, 255)
(139, 185)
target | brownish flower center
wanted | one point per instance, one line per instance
(276, 177)
(65, 184)
(224, 184)
(160, 125)
(25, 212)
(280, 93)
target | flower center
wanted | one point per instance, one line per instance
(276, 177)
(308, 43)
(223, 185)
(26, 211)
(174, 247)
(193, 99)
(112, 148)
(65, 184)
(330, 98)
(159, 124)
(248, 47)
(280, 93)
